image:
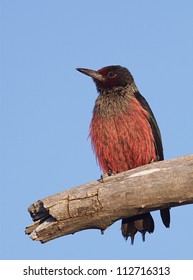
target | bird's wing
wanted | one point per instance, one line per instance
(154, 125)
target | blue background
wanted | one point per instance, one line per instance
(46, 108)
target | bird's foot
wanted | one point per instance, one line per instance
(104, 176)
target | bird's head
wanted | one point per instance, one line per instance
(109, 77)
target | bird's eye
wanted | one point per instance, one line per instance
(111, 74)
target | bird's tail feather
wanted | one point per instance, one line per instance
(142, 223)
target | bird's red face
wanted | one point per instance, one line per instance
(109, 77)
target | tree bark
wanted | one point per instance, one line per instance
(97, 205)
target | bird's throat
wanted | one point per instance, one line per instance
(113, 102)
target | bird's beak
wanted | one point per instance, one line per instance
(91, 73)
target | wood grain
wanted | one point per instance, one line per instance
(97, 205)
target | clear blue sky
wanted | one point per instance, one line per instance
(46, 107)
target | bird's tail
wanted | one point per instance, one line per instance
(142, 223)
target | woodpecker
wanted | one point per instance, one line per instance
(124, 134)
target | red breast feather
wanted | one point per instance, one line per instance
(123, 141)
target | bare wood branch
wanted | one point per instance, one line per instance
(97, 205)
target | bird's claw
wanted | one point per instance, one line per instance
(104, 176)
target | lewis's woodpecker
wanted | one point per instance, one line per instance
(124, 134)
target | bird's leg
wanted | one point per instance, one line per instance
(153, 160)
(106, 175)
(111, 173)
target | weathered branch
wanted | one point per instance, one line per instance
(97, 205)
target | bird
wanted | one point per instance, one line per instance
(124, 135)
